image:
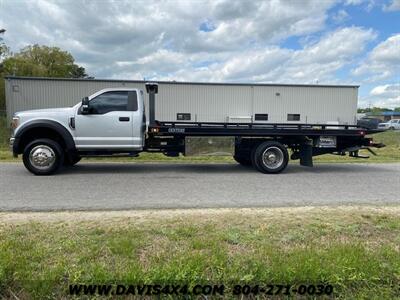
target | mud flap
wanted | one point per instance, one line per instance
(306, 155)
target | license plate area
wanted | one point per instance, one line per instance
(326, 142)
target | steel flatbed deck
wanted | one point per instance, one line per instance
(254, 129)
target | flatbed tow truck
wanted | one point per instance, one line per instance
(48, 139)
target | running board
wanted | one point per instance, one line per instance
(127, 154)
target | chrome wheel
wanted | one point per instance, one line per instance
(42, 157)
(273, 157)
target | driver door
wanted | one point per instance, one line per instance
(109, 125)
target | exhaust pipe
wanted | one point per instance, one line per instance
(152, 90)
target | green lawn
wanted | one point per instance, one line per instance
(356, 249)
(4, 132)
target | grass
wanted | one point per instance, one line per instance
(4, 132)
(391, 153)
(356, 249)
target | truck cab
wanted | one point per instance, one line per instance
(109, 121)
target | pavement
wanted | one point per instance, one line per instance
(117, 186)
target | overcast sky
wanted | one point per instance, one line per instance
(339, 42)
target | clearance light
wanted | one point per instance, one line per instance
(154, 129)
(14, 122)
(362, 133)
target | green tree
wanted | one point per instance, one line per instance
(43, 61)
(38, 61)
(380, 109)
(363, 110)
(375, 109)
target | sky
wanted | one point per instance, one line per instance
(298, 41)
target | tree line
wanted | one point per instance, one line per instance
(36, 61)
(377, 110)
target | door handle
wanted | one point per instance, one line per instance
(124, 119)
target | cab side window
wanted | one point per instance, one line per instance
(109, 101)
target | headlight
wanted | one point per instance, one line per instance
(14, 123)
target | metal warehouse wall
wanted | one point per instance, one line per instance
(35, 93)
(206, 102)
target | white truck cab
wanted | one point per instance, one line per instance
(115, 119)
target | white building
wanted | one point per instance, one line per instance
(201, 102)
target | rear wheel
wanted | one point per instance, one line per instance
(43, 157)
(270, 157)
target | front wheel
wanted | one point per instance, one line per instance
(43, 157)
(270, 157)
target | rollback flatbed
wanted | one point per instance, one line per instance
(263, 146)
(305, 140)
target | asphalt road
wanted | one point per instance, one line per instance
(97, 186)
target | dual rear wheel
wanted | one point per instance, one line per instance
(268, 157)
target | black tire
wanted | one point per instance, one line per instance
(244, 161)
(391, 128)
(45, 148)
(252, 155)
(71, 161)
(277, 162)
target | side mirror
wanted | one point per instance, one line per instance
(85, 106)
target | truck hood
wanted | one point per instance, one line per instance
(60, 115)
(45, 112)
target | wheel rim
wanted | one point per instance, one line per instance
(42, 157)
(273, 157)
